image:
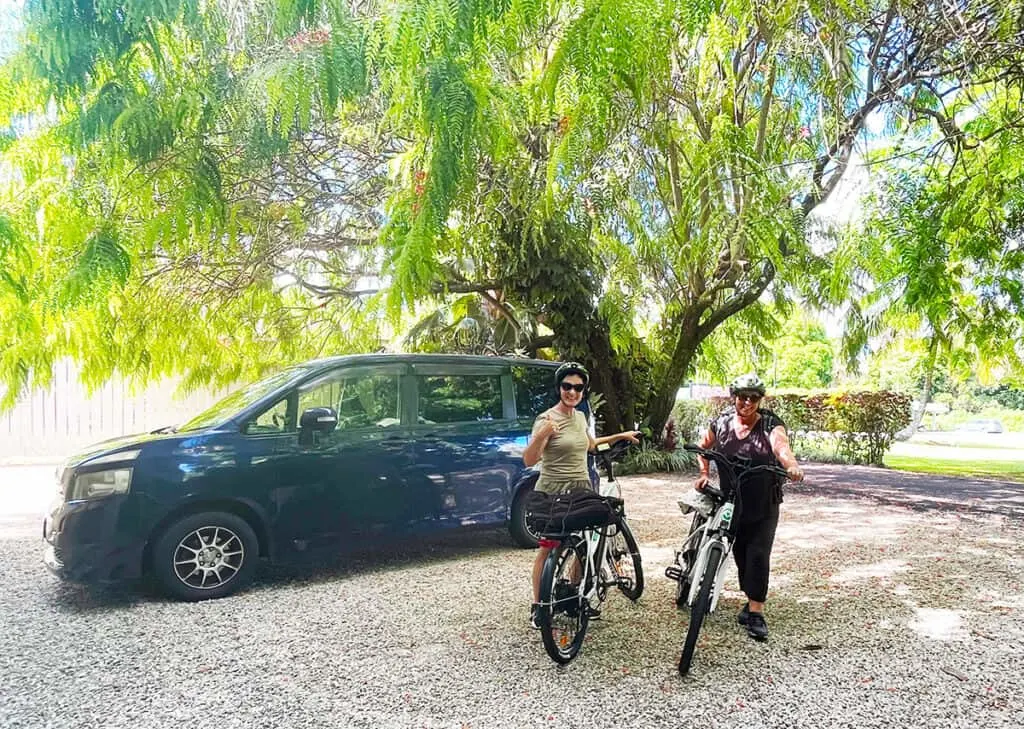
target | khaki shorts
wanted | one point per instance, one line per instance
(562, 487)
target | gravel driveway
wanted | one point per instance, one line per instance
(881, 616)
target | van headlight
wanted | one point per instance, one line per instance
(98, 484)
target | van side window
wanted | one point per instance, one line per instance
(361, 401)
(459, 398)
(272, 420)
(535, 390)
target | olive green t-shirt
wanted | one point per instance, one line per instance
(565, 456)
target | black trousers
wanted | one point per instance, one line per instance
(753, 550)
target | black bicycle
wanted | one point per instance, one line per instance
(592, 550)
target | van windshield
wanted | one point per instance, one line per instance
(243, 398)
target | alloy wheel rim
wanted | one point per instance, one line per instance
(208, 557)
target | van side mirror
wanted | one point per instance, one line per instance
(323, 419)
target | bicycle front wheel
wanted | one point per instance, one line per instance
(564, 613)
(685, 559)
(701, 607)
(624, 561)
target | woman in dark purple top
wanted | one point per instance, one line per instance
(759, 435)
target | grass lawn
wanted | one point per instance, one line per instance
(1008, 465)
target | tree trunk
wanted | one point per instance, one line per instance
(926, 392)
(667, 385)
(608, 378)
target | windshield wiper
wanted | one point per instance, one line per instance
(165, 429)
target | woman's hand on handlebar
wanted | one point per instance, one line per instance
(701, 482)
(633, 436)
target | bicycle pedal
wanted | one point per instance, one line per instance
(674, 573)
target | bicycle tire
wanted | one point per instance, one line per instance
(621, 545)
(564, 612)
(687, 555)
(700, 608)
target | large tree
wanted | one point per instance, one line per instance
(629, 175)
(676, 152)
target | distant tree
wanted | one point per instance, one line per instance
(940, 257)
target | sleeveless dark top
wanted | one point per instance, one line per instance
(760, 493)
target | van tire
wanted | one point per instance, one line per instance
(212, 547)
(521, 533)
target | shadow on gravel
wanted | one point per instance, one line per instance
(69, 598)
(327, 565)
(917, 491)
(316, 566)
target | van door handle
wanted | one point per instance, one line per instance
(394, 444)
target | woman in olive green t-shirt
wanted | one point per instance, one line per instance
(559, 442)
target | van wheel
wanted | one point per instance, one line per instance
(521, 533)
(205, 556)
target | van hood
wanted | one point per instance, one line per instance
(124, 442)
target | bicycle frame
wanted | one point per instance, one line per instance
(714, 531)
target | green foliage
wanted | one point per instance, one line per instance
(849, 427)
(1008, 397)
(206, 193)
(786, 345)
(866, 423)
(103, 265)
(938, 260)
(692, 417)
(860, 425)
(649, 457)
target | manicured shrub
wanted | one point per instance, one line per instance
(849, 427)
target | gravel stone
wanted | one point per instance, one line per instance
(880, 616)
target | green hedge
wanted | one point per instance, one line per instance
(849, 427)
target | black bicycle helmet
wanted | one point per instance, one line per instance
(572, 368)
(749, 382)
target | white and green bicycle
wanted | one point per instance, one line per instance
(699, 569)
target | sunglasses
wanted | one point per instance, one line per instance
(748, 397)
(566, 386)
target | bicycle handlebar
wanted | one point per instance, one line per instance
(737, 466)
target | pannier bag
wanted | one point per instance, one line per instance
(558, 514)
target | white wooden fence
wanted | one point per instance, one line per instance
(52, 424)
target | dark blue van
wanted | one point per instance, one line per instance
(330, 451)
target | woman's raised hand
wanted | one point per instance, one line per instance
(548, 426)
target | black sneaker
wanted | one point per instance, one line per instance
(757, 628)
(743, 615)
(535, 616)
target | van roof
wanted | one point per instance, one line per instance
(384, 357)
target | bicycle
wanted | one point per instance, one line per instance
(586, 559)
(706, 549)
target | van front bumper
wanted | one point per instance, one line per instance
(82, 542)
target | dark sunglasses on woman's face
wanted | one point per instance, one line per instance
(748, 396)
(566, 386)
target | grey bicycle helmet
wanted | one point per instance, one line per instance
(571, 368)
(749, 382)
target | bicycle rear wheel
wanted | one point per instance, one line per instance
(624, 561)
(564, 613)
(700, 607)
